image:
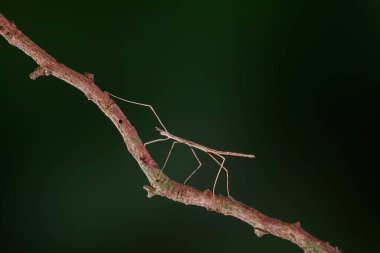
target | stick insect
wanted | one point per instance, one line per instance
(213, 153)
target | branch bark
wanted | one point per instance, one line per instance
(160, 184)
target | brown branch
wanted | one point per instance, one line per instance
(160, 184)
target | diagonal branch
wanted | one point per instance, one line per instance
(160, 184)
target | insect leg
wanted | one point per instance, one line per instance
(157, 140)
(200, 164)
(136, 103)
(170, 151)
(220, 169)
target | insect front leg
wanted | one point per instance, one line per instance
(157, 140)
(141, 104)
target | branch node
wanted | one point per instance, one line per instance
(259, 232)
(150, 190)
(231, 198)
(89, 76)
(207, 192)
(40, 71)
(297, 224)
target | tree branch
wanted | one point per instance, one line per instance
(160, 184)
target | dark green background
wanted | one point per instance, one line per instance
(294, 82)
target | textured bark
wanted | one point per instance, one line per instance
(160, 184)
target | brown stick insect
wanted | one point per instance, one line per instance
(213, 153)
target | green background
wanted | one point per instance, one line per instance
(294, 82)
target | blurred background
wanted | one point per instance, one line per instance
(294, 82)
